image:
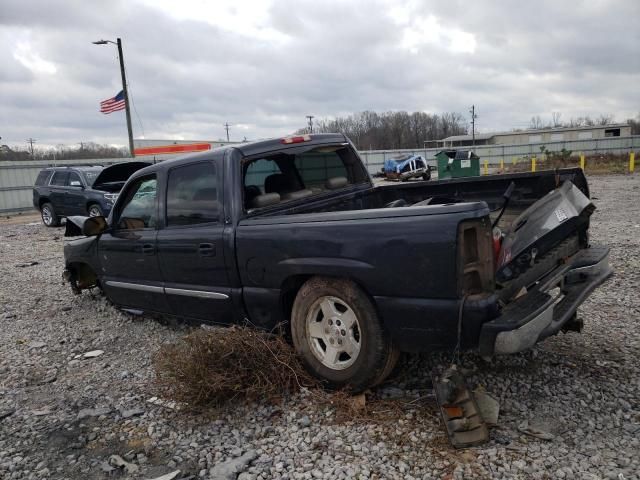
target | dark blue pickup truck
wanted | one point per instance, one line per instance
(294, 232)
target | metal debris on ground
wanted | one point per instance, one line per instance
(119, 462)
(168, 476)
(28, 264)
(489, 407)
(527, 429)
(460, 413)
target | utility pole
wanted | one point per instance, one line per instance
(125, 92)
(310, 118)
(31, 141)
(473, 124)
(226, 127)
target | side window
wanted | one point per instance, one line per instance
(42, 177)
(139, 209)
(59, 179)
(192, 195)
(74, 180)
(258, 171)
(317, 167)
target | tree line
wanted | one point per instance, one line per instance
(84, 150)
(537, 123)
(392, 130)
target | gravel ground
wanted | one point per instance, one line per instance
(64, 417)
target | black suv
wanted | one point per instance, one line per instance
(82, 190)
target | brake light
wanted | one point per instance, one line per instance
(475, 256)
(297, 139)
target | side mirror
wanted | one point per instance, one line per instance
(87, 226)
(94, 226)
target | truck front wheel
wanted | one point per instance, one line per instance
(336, 331)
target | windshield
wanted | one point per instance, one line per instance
(91, 175)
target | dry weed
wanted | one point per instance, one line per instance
(215, 366)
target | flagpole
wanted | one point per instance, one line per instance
(126, 97)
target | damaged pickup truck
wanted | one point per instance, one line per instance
(293, 232)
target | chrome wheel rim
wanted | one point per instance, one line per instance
(94, 211)
(47, 217)
(333, 333)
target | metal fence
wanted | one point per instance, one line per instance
(17, 178)
(374, 159)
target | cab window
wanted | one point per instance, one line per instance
(59, 179)
(139, 209)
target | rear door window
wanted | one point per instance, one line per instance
(59, 179)
(258, 171)
(74, 180)
(316, 167)
(192, 195)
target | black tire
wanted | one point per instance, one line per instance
(392, 361)
(371, 363)
(94, 210)
(49, 216)
(426, 176)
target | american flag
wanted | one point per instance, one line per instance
(113, 104)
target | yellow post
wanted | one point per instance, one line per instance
(582, 161)
(486, 167)
(514, 160)
(502, 164)
(533, 164)
(632, 162)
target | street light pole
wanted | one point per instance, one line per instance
(126, 97)
(125, 92)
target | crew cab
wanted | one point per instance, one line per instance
(292, 232)
(81, 190)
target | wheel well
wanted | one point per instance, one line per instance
(92, 202)
(42, 201)
(83, 275)
(288, 291)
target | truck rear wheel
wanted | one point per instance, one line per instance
(337, 332)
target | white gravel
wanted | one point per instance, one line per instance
(63, 415)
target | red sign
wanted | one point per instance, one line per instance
(164, 149)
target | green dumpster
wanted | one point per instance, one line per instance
(457, 163)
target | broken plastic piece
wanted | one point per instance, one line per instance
(460, 413)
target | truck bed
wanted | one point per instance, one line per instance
(529, 187)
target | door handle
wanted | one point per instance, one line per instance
(207, 249)
(148, 249)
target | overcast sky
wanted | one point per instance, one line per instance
(262, 66)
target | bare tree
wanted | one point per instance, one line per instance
(536, 123)
(555, 119)
(605, 119)
(371, 130)
(635, 125)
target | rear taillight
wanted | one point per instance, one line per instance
(298, 139)
(475, 256)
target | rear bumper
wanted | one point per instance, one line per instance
(544, 310)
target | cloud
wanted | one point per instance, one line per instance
(263, 65)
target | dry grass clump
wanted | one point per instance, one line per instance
(216, 366)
